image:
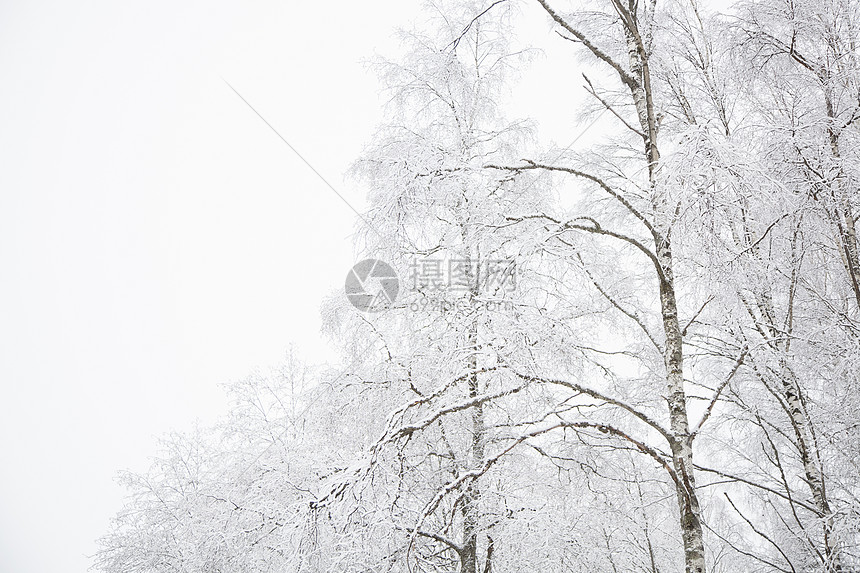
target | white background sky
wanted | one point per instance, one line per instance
(156, 239)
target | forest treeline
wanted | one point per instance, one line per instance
(639, 354)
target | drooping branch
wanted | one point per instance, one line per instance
(407, 430)
(435, 537)
(454, 43)
(596, 229)
(603, 398)
(718, 392)
(762, 487)
(489, 462)
(760, 533)
(591, 90)
(630, 314)
(395, 417)
(623, 74)
(393, 432)
(530, 165)
(695, 316)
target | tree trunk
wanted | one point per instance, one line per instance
(471, 497)
(840, 213)
(791, 392)
(682, 447)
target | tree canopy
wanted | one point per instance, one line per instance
(635, 355)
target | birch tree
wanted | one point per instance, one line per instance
(805, 94)
(660, 392)
(627, 48)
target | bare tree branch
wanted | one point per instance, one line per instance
(623, 74)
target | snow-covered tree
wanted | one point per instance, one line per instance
(637, 356)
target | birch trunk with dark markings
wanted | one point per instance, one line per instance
(638, 82)
(817, 43)
(472, 495)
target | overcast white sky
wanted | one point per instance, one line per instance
(156, 239)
